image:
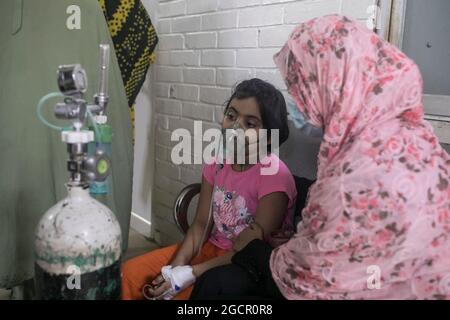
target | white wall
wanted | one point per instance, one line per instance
(205, 47)
(144, 148)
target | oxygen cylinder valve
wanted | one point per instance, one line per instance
(72, 82)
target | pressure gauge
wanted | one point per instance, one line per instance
(72, 79)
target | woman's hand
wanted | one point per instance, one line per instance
(254, 231)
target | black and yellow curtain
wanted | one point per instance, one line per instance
(134, 39)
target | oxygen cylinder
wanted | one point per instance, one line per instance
(78, 241)
(78, 250)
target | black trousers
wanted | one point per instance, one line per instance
(247, 278)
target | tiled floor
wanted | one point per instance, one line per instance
(137, 245)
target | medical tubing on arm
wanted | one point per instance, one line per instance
(205, 230)
(220, 166)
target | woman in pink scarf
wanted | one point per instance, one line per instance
(377, 221)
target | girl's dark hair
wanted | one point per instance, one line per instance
(272, 105)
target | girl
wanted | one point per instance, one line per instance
(245, 204)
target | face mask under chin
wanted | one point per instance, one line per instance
(301, 122)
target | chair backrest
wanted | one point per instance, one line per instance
(181, 205)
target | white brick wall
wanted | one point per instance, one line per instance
(274, 36)
(214, 95)
(242, 38)
(216, 21)
(261, 16)
(229, 77)
(186, 24)
(173, 8)
(164, 26)
(297, 11)
(184, 58)
(229, 4)
(205, 48)
(224, 58)
(257, 58)
(169, 74)
(184, 92)
(202, 6)
(169, 42)
(201, 40)
(199, 75)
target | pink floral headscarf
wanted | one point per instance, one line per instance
(377, 221)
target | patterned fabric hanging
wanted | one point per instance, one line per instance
(134, 39)
(132, 117)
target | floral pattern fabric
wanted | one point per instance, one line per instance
(377, 221)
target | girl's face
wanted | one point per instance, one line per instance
(243, 114)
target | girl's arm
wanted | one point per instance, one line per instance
(269, 217)
(191, 243)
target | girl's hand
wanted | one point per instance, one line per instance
(178, 279)
(158, 281)
(157, 288)
(254, 231)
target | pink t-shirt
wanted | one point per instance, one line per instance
(236, 196)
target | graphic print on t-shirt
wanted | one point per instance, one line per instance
(231, 210)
